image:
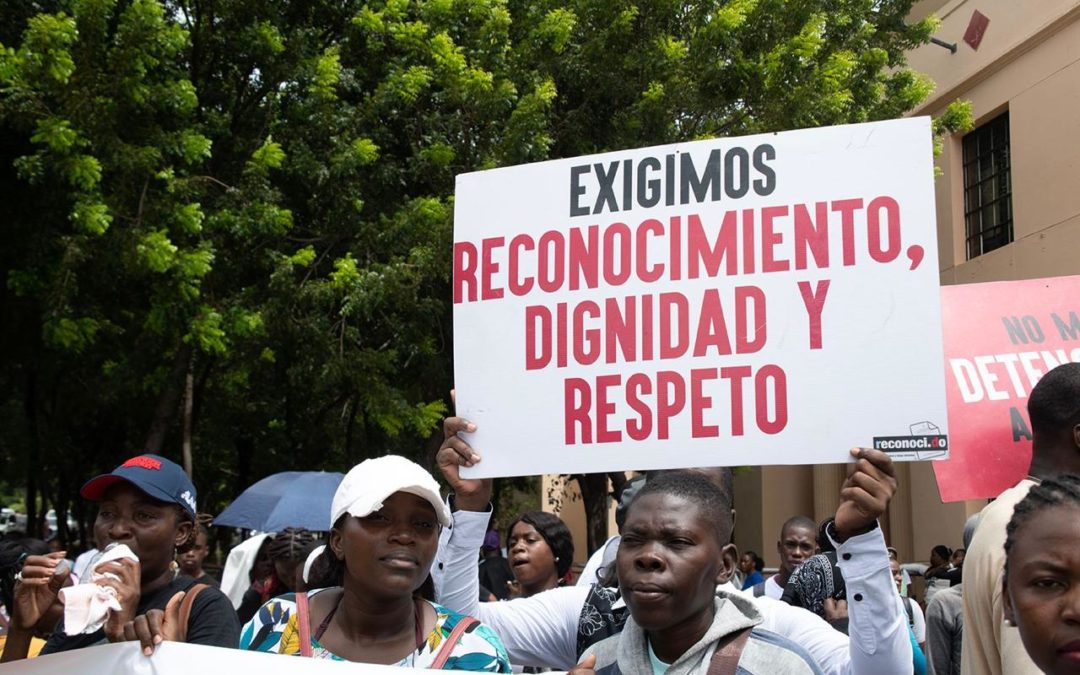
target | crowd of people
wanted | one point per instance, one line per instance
(409, 577)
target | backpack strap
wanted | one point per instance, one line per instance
(759, 589)
(463, 624)
(303, 624)
(185, 608)
(725, 660)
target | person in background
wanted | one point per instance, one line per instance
(818, 585)
(82, 563)
(905, 582)
(541, 551)
(386, 515)
(147, 504)
(751, 565)
(916, 622)
(1041, 581)
(945, 618)
(12, 556)
(191, 561)
(991, 648)
(277, 573)
(495, 573)
(240, 565)
(798, 538)
(938, 575)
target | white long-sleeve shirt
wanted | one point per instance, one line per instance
(542, 630)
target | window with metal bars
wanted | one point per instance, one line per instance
(987, 187)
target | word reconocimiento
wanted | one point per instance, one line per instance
(741, 242)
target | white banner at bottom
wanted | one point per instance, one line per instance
(177, 658)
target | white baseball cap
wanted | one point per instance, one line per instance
(367, 484)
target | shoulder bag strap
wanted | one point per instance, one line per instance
(185, 608)
(463, 624)
(725, 660)
(303, 624)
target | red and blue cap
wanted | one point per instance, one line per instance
(158, 477)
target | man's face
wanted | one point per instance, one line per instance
(958, 558)
(669, 562)
(797, 543)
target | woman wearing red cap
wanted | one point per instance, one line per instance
(148, 505)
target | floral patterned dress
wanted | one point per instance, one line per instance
(273, 629)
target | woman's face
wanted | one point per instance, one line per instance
(388, 553)
(1042, 591)
(897, 577)
(531, 558)
(935, 559)
(150, 528)
(746, 564)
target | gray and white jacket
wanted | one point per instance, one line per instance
(765, 653)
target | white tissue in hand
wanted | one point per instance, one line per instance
(87, 605)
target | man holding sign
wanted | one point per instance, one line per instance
(553, 629)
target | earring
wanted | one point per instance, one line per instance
(556, 558)
(1008, 622)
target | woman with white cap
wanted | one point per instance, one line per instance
(386, 517)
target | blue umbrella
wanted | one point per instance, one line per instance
(288, 499)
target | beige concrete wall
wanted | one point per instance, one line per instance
(1016, 27)
(1029, 64)
(786, 491)
(748, 510)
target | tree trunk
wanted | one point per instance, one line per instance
(33, 456)
(168, 399)
(594, 493)
(189, 401)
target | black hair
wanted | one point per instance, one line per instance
(293, 544)
(327, 570)
(959, 550)
(12, 556)
(1063, 490)
(798, 521)
(184, 516)
(1054, 403)
(759, 562)
(554, 532)
(262, 565)
(823, 541)
(696, 488)
(726, 481)
(943, 551)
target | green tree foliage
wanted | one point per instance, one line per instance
(258, 195)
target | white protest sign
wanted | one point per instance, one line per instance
(177, 658)
(770, 299)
